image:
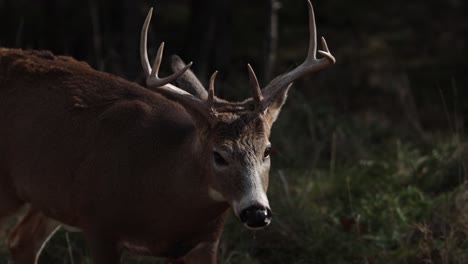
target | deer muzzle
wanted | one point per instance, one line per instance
(256, 216)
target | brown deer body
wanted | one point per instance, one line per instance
(94, 151)
(149, 171)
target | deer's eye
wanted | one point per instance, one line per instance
(266, 154)
(219, 159)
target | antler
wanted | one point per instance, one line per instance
(188, 81)
(311, 63)
(152, 78)
(255, 87)
(190, 102)
(210, 99)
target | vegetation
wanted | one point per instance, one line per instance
(391, 203)
(369, 164)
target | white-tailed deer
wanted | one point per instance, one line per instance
(151, 171)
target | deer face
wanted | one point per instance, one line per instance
(240, 164)
(235, 135)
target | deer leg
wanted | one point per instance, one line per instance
(28, 237)
(204, 253)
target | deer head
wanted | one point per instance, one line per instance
(233, 137)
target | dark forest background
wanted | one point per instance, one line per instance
(370, 154)
(389, 52)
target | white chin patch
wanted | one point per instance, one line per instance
(215, 195)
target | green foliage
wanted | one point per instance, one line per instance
(364, 213)
(380, 205)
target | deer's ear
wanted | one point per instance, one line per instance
(274, 104)
(188, 81)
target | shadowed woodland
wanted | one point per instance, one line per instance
(370, 156)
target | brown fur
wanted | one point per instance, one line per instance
(129, 167)
(87, 148)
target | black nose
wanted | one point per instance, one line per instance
(256, 216)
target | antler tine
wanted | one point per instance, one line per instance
(152, 78)
(143, 42)
(312, 52)
(157, 61)
(210, 99)
(255, 87)
(310, 64)
(327, 52)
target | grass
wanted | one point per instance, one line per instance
(344, 190)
